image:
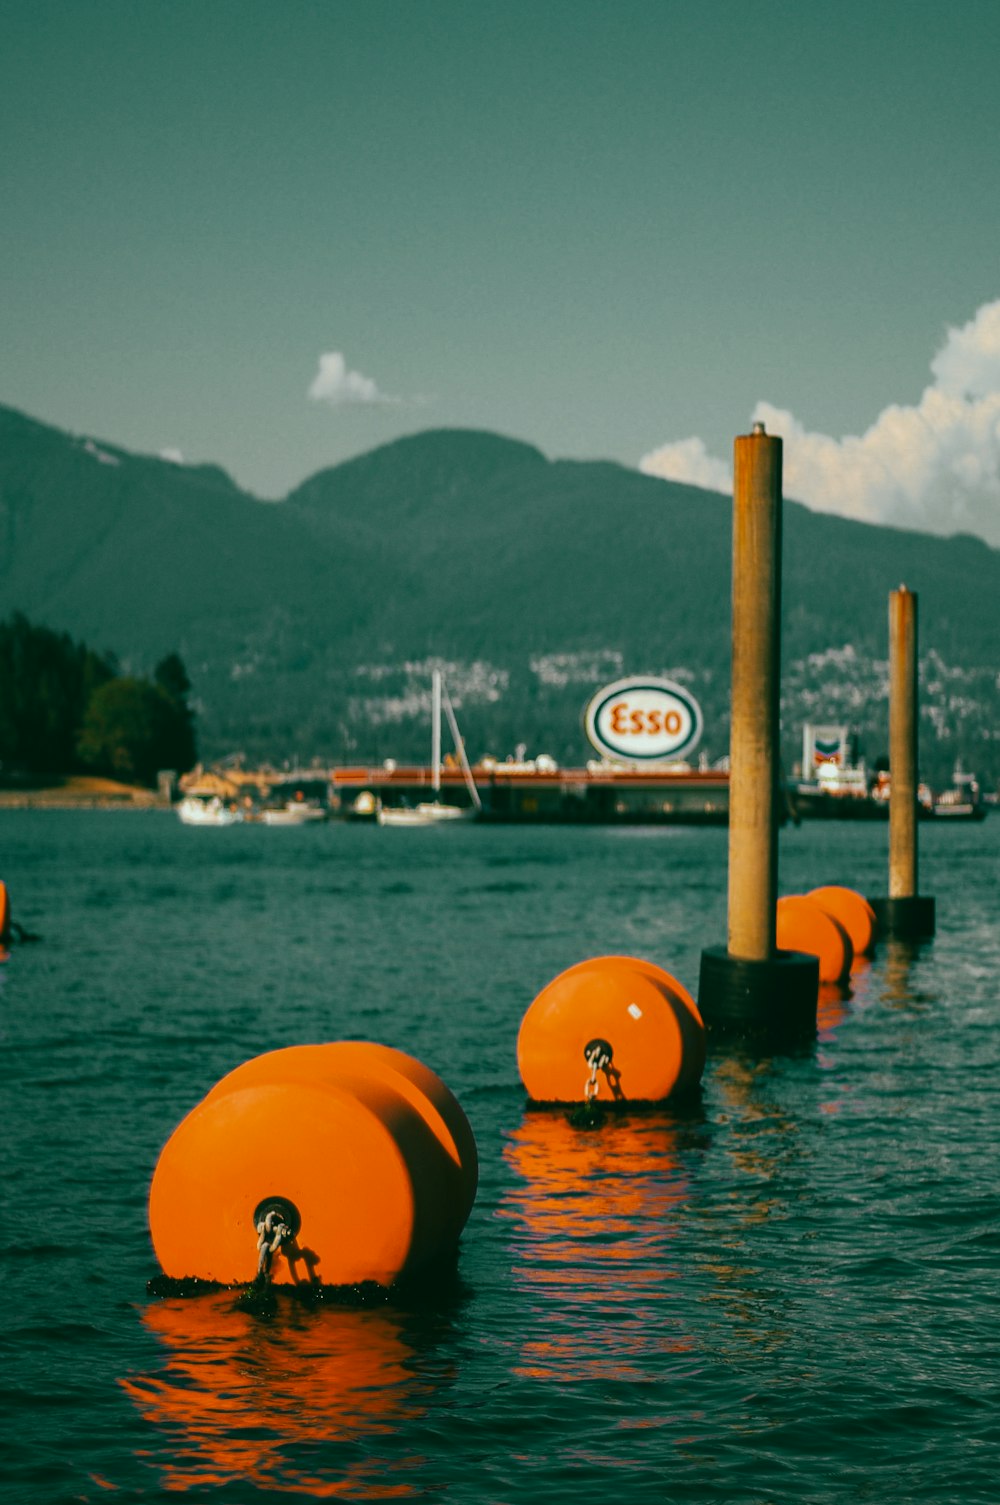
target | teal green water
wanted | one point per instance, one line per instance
(787, 1294)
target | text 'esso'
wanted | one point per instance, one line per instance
(643, 720)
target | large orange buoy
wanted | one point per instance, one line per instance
(688, 1018)
(852, 910)
(802, 924)
(351, 1167)
(4, 920)
(366, 1176)
(628, 1017)
(340, 1062)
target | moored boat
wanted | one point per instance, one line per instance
(838, 792)
(434, 810)
(961, 801)
(403, 815)
(437, 811)
(194, 811)
(294, 813)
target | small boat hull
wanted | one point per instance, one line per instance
(198, 812)
(438, 812)
(399, 816)
(294, 815)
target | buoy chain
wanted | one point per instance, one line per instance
(591, 1086)
(272, 1232)
(598, 1055)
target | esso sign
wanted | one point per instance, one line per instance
(643, 720)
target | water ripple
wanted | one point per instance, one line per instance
(785, 1295)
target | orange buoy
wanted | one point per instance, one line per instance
(628, 1011)
(804, 925)
(852, 910)
(688, 1017)
(4, 919)
(352, 1168)
(340, 1062)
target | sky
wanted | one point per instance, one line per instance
(274, 234)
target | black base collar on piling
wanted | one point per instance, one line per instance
(769, 1002)
(911, 919)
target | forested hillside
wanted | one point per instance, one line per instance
(309, 626)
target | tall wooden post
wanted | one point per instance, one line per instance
(753, 747)
(902, 744)
(748, 988)
(904, 913)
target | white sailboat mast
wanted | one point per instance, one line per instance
(460, 749)
(436, 731)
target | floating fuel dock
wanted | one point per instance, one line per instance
(599, 794)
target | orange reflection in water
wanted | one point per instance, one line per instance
(591, 1220)
(831, 1005)
(246, 1400)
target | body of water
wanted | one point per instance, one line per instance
(787, 1293)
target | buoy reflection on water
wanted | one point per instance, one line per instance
(831, 1006)
(244, 1401)
(590, 1220)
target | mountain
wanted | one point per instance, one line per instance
(308, 625)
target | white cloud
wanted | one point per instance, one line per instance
(969, 364)
(688, 460)
(336, 385)
(933, 466)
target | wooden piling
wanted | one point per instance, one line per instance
(748, 989)
(753, 748)
(905, 914)
(902, 743)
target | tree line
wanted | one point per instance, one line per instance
(66, 709)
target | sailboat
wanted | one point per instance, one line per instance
(436, 811)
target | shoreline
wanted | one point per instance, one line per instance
(80, 793)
